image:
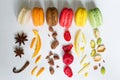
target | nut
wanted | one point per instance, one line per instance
(51, 69)
(54, 35)
(56, 57)
(51, 62)
(101, 48)
(54, 44)
(97, 57)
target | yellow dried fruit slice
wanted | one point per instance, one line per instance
(86, 74)
(38, 44)
(84, 39)
(76, 43)
(37, 59)
(40, 71)
(83, 59)
(33, 70)
(84, 69)
(82, 49)
(33, 42)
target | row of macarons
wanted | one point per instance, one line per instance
(65, 18)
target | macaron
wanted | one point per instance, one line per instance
(52, 16)
(95, 17)
(24, 16)
(38, 16)
(81, 17)
(66, 17)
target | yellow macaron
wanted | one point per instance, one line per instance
(81, 17)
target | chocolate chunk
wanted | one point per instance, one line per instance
(56, 57)
(54, 35)
(51, 70)
(51, 29)
(51, 62)
(54, 44)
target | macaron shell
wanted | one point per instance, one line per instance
(81, 17)
(21, 15)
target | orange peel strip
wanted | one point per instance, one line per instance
(33, 42)
(38, 59)
(33, 70)
(38, 44)
(40, 71)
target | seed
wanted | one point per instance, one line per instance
(97, 57)
(103, 70)
(93, 53)
(92, 44)
(99, 41)
(96, 33)
(86, 74)
(95, 67)
(101, 48)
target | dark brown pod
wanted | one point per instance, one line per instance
(52, 16)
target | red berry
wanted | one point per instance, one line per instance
(67, 48)
(68, 71)
(67, 35)
(68, 58)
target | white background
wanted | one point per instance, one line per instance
(9, 10)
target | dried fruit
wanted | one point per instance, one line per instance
(76, 42)
(84, 39)
(93, 53)
(92, 44)
(99, 41)
(101, 48)
(50, 53)
(56, 57)
(21, 38)
(83, 59)
(37, 59)
(103, 70)
(95, 67)
(38, 44)
(51, 69)
(40, 71)
(68, 71)
(67, 35)
(33, 70)
(51, 62)
(68, 58)
(57, 66)
(82, 49)
(51, 29)
(96, 33)
(86, 74)
(19, 52)
(54, 44)
(67, 48)
(97, 57)
(84, 69)
(33, 42)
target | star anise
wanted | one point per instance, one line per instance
(21, 38)
(19, 51)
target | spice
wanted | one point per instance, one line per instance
(19, 51)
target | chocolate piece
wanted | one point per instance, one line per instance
(54, 44)
(51, 62)
(52, 16)
(51, 70)
(22, 68)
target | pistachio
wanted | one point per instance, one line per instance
(96, 33)
(92, 44)
(103, 70)
(101, 48)
(99, 41)
(97, 57)
(93, 53)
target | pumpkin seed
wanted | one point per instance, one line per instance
(103, 70)
(93, 53)
(92, 44)
(101, 48)
(96, 33)
(99, 41)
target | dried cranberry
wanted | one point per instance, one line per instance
(68, 58)
(68, 71)
(67, 48)
(67, 35)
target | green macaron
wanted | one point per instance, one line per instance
(95, 17)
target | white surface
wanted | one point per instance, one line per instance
(9, 27)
